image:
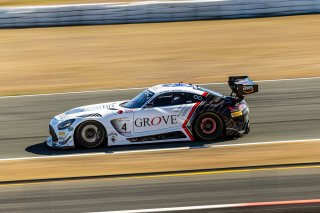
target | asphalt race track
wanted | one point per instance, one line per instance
(145, 193)
(282, 110)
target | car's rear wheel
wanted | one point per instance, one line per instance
(208, 126)
(90, 134)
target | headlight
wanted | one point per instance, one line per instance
(66, 124)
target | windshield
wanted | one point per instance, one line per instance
(210, 91)
(139, 100)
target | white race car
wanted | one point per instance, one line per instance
(163, 113)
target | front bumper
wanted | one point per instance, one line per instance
(56, 145)
(60, 139)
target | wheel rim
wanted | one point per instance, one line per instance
(208, 126)
(91, 133)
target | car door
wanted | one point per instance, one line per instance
(165, 113)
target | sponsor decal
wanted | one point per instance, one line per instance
(125, 111)
(108, 106)
(144, 122)
(113, 136)
(61, 137)
(236, 114)
(198, 97)
(247, 89)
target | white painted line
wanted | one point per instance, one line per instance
(173, 209)
(93, 154)
(75, 92)
(266, 143)
(105, 3)
(140, 88)
(218, 206)
(274, 80)
(289, 79)
(53, 156)
(159, 150)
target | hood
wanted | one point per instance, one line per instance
(89, 109)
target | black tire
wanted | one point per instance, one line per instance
(90, 134)
(208, 126)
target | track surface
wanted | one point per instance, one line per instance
(145, 193)
(282, 110)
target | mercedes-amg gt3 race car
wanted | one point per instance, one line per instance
(163, 113)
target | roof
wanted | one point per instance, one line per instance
(175, 87)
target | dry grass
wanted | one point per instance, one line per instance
(178, 160)
(117, 56)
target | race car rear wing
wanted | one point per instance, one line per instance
(242, 85)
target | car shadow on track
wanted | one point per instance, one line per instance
(42, 149)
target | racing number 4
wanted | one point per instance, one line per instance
(124, 127)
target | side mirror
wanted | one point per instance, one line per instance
(148, 105)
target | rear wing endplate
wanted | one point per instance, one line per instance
(242, 85)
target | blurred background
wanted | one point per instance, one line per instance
(57, 59)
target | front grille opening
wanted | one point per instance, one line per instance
(53, 134)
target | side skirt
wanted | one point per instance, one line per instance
(159, 137)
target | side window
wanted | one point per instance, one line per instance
(169, 99)
(193, 98)
(162, 100)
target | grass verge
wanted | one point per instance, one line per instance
(45, 60)
(175, 160)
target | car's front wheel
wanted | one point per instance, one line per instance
(90, 134)
(208, 126)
